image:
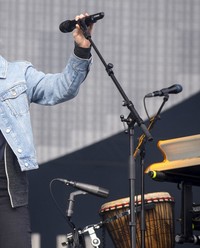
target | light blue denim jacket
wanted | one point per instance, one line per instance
(20, 85)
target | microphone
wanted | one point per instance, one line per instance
(164, 177)
(158, 176)
(95, 190)
(173, 177)
(174, 89)
(70, 25)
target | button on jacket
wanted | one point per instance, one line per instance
(20, 85)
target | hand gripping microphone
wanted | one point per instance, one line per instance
(174, 89)
(70, 25)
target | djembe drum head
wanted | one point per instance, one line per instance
(159, 221)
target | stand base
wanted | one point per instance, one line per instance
(180, 239)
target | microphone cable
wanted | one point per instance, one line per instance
(71, 224)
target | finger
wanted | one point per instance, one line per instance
(79, 17)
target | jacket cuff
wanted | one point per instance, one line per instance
(83, 53)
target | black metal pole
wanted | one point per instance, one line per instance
(140, 149)
(134, 118)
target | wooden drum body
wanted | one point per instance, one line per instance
(159, 221)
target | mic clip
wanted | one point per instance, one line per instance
(158, 93)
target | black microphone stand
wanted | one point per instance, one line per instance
(133, 118)
(140, 149)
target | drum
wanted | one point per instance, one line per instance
(159, 221)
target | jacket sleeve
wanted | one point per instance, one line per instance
(51, 89)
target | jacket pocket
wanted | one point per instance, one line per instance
(16, 99)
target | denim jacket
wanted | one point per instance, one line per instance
(20, 85)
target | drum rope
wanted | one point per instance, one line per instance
(115, 217)
(122, 214)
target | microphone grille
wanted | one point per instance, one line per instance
(179, 88)
(67, 26)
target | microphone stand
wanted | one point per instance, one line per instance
(133, 118)
(140, 149)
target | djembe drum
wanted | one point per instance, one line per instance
(159, 221)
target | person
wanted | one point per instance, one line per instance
(20, 85)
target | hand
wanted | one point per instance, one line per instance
(79, 38)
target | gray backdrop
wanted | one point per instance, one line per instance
(152, 44)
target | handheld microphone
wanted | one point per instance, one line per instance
(174, 89)
(70, 25)
(92, 189)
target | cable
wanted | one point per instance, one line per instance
(146, 108)
(71, 224)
